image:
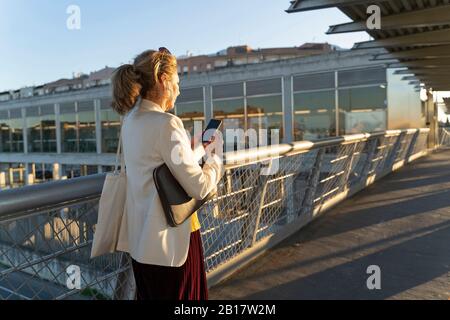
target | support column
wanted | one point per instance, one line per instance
(24, 131)
(58, 128)
(98, 126)
(30, 179)
(21, 174)
(287, 109)
(431, 120)
(207, 103)
(56, 171)
(11, 176)
(2, 179)
(33, 170)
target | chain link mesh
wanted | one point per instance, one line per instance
(36, 250)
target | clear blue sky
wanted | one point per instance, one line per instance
(37, 47)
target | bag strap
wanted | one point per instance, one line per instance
(119, 154)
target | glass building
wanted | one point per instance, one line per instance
(306, 98)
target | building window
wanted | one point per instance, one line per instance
(41, 128)
(16, 125)
(185, 69)
(208, 66)
(190, 108)
(11, 131)
(69, 130)
(232, 113)
(265, 113)
(357, 77)
(78, 127)
(86, 126)
(194, 68)
(265, 109)
(110, 122)
(314, 115)
(362, 109)
(4, 132)
(229, 106)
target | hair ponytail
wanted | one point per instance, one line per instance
(126, 88)
(131, 81)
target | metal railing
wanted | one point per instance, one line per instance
(265, 195)
(444, 137)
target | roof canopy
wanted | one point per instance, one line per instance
(415, 34)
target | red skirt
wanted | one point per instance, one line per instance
(187, 282)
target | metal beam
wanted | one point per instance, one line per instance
(423, 64)
(307, 5)
(416, 39)
(406, 71)
(427, 52)
(413, 19)
(409, 78)
(435, 72)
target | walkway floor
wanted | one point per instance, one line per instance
(401, 224)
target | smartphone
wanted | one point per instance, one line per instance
(210, 130)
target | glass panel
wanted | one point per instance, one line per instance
(86, 127)
(4, 132)
(48, 123)
(362, 98)
(361, 76)
(110, 121)
(362, 110)
(314, 115)
(190, 112)
(314, 81)
(265, 113)
(362, 121)
(263, 86)
(231, 90)
(34, 134)
(190, 95)
(69, 132)
(232, 113)
(16, 135)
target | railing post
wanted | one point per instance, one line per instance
(411, 146)
(370, 155)
(393, 154)
(344, 180)
(307, 206)
(264, 182)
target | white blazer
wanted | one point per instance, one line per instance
(150, 138)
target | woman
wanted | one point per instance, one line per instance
(167, 262)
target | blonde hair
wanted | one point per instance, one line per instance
(130, 81)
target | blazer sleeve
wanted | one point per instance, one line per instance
(176, 152)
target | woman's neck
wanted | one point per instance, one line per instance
(158, 100)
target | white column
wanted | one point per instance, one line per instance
(33, 170)
(2, 179)
(21, 174)
(98, 126)
(30, 179)
(11, 176)
(56, 171)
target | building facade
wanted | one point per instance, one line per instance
(74, 133)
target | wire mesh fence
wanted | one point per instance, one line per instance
(45, 255)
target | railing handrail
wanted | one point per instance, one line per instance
(16, 203)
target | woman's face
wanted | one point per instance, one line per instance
(172, 91)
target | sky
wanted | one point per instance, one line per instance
(36, 46)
